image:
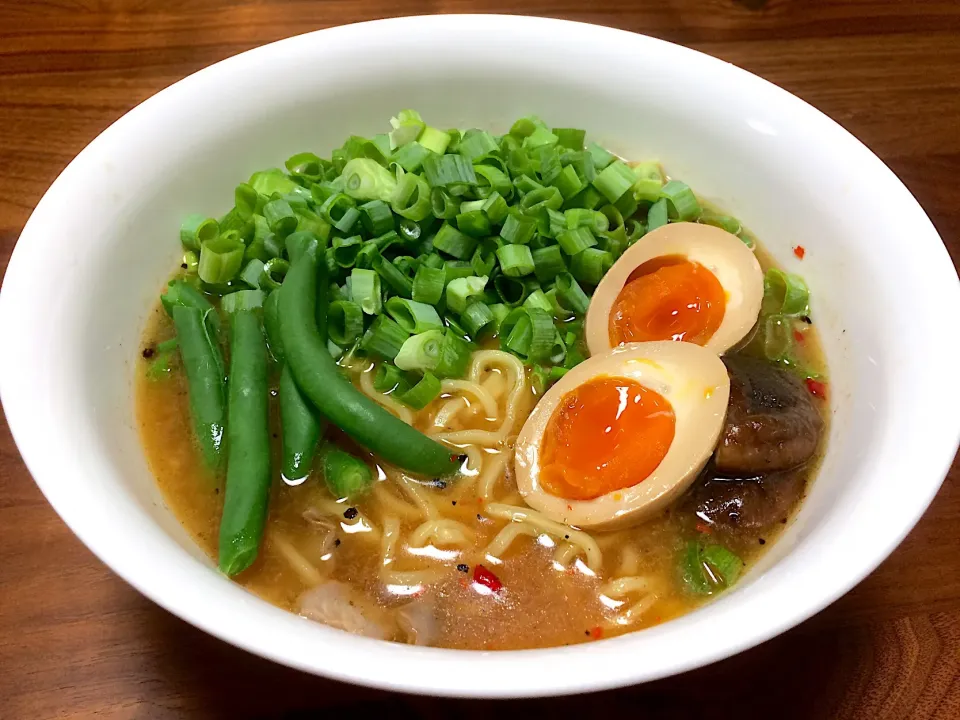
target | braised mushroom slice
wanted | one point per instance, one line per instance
(772, 423)
(747, 503)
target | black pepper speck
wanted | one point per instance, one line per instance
(453, 502)
(350, 513)
(762, 541)
(148, 353)
(336, 542)
(463, 567)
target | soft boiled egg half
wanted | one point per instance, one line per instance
(623, 434)
(683, 281)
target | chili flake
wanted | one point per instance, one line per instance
(817, 388)
(799, 251)
(483, 576)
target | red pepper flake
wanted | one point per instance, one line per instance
(817, 388)
(569, 507)
(704, 528)
(799, 251)
(596, 633)
(798, 336)
(483, 576)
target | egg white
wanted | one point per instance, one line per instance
(692, 379)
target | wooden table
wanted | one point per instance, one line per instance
(75, 641)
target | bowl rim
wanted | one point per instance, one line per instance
(495, 674)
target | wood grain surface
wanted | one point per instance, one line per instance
(75, 641)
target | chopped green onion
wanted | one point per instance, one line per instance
(344, 322)
(346, 249)
(388, 379)
(346, 476)
(601, 157)
(220, 259)
(453, 242)
(594, 220)
(407, 126)
(407, 265)
(365, 290)
(435, 140)
(515, 260)
(191, 261)
(568, 182)
(461, 290)
(777, 338)
(241, 300)
(682, 204)
(500, 311)
(627, 205)
(274, 271)
(635, 230)
(556, 308)
(454, 353)
(268, 182)
(692, 572)
(384, 337)
(520, 164)
(476, 317)
(457, 269)
(476, 143)
(196, 230)
(589, 266)
(724, 222)
(538, 138)
(658, 215)
(473, 223)
(614, 180)
(538, 299)
(541, 199)
(484, 259)
(724, 563)
(583, 165)
(448, 171)
(411, 156)
(421, 394)
(570, 137)
(526, 184)
(421, 352)
(391, 275)
(528, 333)
(495, 208)
(366, 179)
(411, 198)
(409, 230)
(784, 294)
(513, 291)
(649, 181)
(571, 294)
(414, 317)
(376, 216)
(340, 211)
(387, 239)
(306, 165)
(518, 229)
(575, 241)
(548, 164)
(526, 126)
(492, 179)
(428, 284)
(589, 198)
(251, 273)
(443, 205)
(280, 217)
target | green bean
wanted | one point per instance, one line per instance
(319, 379)
(183, 293)
(300, 428)
(203, 364)
(248, 446)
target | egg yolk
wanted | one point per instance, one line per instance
(668, 298)
(608, 434)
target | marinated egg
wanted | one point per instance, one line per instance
(623, 434)
(683, 281)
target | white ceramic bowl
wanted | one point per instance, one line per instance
(100, 244)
